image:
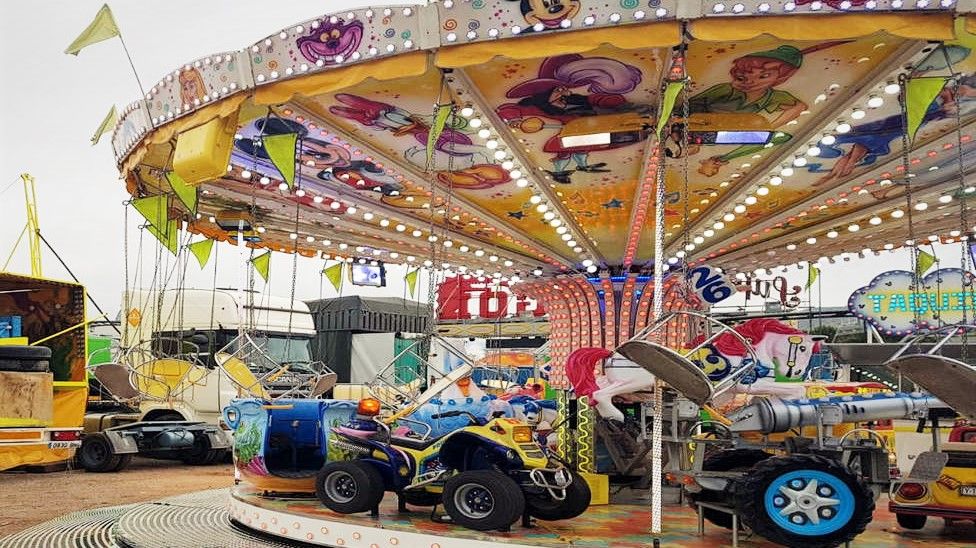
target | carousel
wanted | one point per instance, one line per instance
(623, 163)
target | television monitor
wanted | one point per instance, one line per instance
(368, 275)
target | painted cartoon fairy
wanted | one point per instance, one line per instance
(457, 160)
(555, 95)
(754, 88)
(873, 140)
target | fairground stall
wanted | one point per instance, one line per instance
(620, 163)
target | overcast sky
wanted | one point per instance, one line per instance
(53, 102)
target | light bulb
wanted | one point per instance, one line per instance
(843, 127)
(892, 89)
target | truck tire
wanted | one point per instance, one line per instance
(124, 460)
(804, 500)
(911, 521)
(97, 455)
(25, 359)
(728, 460)
(349, 487)
(200, 454)
(543, 506)
(483, 500)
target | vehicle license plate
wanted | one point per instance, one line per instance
(63, 444)
(967, 490)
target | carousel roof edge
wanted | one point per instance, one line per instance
(191, 92)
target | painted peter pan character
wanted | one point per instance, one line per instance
(754, 88)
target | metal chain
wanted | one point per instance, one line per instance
(964, 228)
(127, 293)
(909, 206)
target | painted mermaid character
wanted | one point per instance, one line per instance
(568, 87)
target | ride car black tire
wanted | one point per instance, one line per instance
(728, 460)
(543, 506)
(366, 482)
(96, 454)
(25, 359)
(911, 521)
(749, 492)
(507, 501)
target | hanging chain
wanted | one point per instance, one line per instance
(909, 206)
(964, 228)
(127, 292)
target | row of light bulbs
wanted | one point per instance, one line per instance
(369, 216)
(764, 7)
(873, 101)
(515, 172)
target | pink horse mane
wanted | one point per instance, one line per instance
(755, 330)
(579, 369)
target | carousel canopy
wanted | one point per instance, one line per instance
(527, 136)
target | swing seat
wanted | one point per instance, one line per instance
(667, 365)
(950, 380)
(240, 374)
(325, 383)
(116, 378)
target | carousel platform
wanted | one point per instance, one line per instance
(241, 518)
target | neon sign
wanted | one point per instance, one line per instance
(895, 307)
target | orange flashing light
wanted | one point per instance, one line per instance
(368, 407)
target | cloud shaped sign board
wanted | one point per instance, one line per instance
(894, 307)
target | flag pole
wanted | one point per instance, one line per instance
(131, 64)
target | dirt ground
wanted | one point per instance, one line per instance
(29, 499)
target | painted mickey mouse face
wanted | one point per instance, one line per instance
(548, 12)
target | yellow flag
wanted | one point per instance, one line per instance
(155, 209)
(168, 235)
(334, 275)
(102, 28)
(411, 279)
(262, 264)
(107, 124)
(670, 96)
(924, 263)
(812, 274)
(919, 94)
(436, 129)
(185, 192)
(281, 151)
(201, 250)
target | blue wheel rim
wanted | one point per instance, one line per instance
(799, 506)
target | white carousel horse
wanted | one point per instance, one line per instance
(783, 353)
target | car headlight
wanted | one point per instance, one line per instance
(511, 455)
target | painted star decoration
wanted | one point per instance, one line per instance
(516, 215)
(613, 204)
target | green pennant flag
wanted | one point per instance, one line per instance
(201, 250)
(262, 264)
(155, 209)
(107, 124)
(411, 279)
(919, 94)
(812, 274)
(281, 151)
(184, 191)
(169, 236)
(440, 120)
(334, 275)
(667, 105)
(924, 262)
(102, 28)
